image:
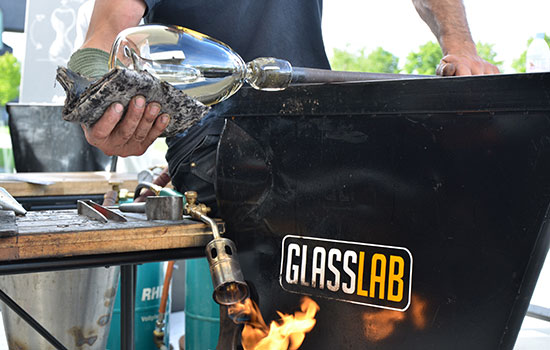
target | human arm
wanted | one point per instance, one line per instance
(447, 20)
(110, 18)
(141, 124)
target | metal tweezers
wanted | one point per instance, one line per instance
(98, 212)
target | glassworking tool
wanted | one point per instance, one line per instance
(155, 207)
(210, 71)
(7, 202)
(221, 253)
(156, 189)
(97, 212)
(24, 178)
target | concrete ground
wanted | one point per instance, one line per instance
(534, 335)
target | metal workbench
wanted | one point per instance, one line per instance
(60, 239)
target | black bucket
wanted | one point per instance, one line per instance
(43, 142)
(414, 212)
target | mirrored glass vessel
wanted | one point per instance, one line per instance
(203, 67)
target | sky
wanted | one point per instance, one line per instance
(395, 26)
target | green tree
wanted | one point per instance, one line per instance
(428, 56)
(425, 60)
(9, 78)
(378, 61)
(519, 63)
(486, 52)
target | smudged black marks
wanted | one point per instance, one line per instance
(299, 106)
(103, 320)
(109, 296)
(17, 345)
(292, 106)
(80, 339)
(110, 292)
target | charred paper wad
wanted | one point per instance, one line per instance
(87, 100)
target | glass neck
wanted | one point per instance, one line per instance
(268, 73)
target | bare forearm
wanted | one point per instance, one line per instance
(122, 130)
(447, 20)
(109, 18)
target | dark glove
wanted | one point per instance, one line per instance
(89, 62)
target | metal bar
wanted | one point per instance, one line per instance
(127, 306)
(85, 209)
(539, 312)
(55, 202)
(31, 321)
(57, 199)
(213, 225)
(104, 211)
(111, 259)
(49, 207)
(301, 75)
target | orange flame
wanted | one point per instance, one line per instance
(379, 325)
(419, 309)
(286, 334)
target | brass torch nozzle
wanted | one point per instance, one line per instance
(221, 253)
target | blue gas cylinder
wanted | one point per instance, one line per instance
(150, 280)
(202, 314)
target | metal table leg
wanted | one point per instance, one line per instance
(539, 312)
(127, 306)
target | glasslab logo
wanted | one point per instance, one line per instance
(354, 272)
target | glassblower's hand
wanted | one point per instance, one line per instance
(129, 133)
(465, 64)
(117, 132)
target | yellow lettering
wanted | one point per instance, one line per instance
(374, 278)
(360, 290)
(396, 278)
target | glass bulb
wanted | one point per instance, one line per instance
(203, 67)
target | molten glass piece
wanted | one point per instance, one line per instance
(202, 67)
(286, 334)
